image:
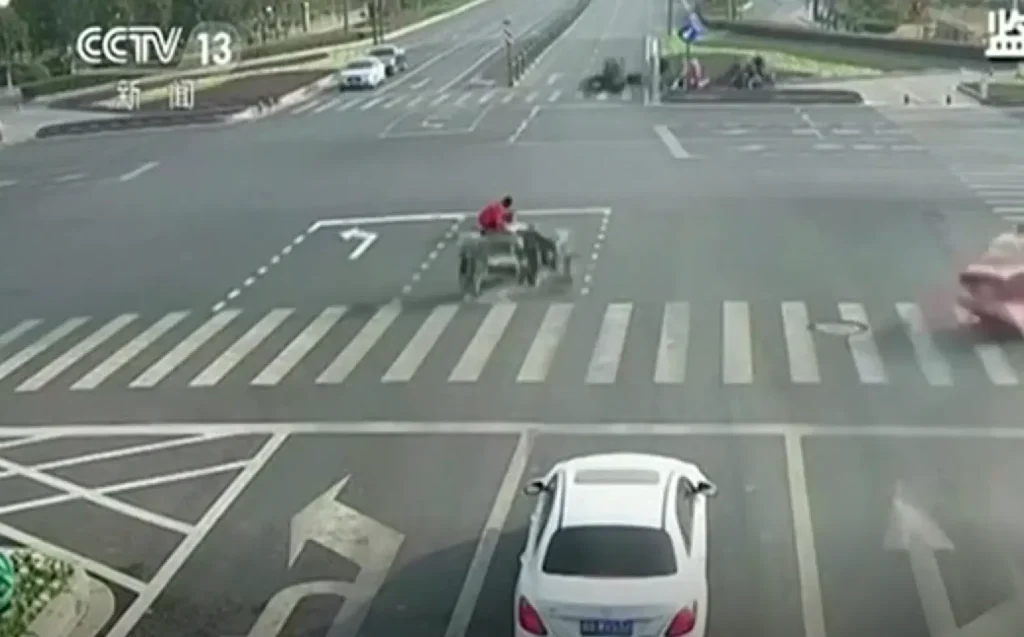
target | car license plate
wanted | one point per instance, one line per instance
(606, 627)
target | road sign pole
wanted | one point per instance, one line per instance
(669, 13)
(506, 30)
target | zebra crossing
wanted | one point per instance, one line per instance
(525, 343)
(1000, 187)
(342, 103)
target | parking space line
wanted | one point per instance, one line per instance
(96, 498)
(98, 568)
(134, 613)
(115, 454)
(31, 440)
(488, 543)
(803, 534)
(120, 487)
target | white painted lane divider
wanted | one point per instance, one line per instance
(141, 170)
(672, 143)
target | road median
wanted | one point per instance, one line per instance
(51, 598)
(235, 100)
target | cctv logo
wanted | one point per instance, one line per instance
(127, 45)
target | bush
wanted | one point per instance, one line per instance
(316, 40)
(68, 83)
(39, 579)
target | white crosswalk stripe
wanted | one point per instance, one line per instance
(528, 344)
(1001, 188)
(465, 99)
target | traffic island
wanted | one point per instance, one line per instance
(44, 596)
(234, 100)
(762, 96)
(1004, 94)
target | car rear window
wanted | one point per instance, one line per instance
(379, 52)
(610, 551)
(360, 64)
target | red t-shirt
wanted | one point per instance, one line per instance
(493, 217)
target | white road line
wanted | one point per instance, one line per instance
(867, 360)
(144, 168)
(299, 348)
(245, 345)
(98, 568)
(121, 487)
(478, 352)
(675, 148)
(993, 358)
(1008, 210)
(63, 179)
(554, 96)
(523, 125)
(163, 367)
(803, 358)
(331, 103)
(472, 586)
(541, 354)
(804, 536)
(60, 364)
(370, 104)
(611, 343)
(737, 346)
(98, 499)
(7, 183)
(531, 97)
(302, 108)
(17, 361)
(553, 78)
(601, 97)
(184, 550)
(359, 347)
(440, 98)
(416, 351)
(347, 105)
(508, 98)
(487, 97)
(17, 332)
(462, 99)
(129, 351)
(21, 442)
(123, 452)
(670, 366)
(936, 369)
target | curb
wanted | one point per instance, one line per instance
(65, 611)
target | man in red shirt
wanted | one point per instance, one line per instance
(495, 216)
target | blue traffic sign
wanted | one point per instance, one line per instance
(692, 28)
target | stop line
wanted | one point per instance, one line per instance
(530, 343)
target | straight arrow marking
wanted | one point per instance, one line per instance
(912, 530)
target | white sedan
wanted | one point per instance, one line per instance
(367, 72)
(617, 547)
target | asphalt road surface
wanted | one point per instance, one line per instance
(735, 265)
(263, 530)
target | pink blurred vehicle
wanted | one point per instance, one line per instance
(992, 288)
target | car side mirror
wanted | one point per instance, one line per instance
(707, 489)
(534, 487)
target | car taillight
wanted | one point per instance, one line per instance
(682, 623)
(529, 618)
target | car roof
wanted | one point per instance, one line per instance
(618, 489)
(384, 47)
(371, 60)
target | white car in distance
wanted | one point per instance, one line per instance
(365, 72)
(617, 547)
(392, 56)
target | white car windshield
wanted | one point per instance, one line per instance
(610, 552)
(360, 64)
